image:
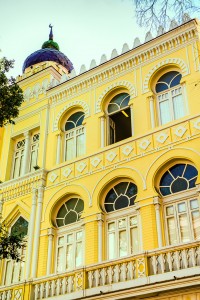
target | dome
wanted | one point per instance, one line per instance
(49, 52)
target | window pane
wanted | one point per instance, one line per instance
(111, 226)
(194, 204)
(133, 221)
(61, 241)
(16, 269)
(16, 167)
(69, 257)
(60, 260)
(178, 104)
(79, 235)
(181, 207)
(170, 210)
(184, 228)
(134, 240)
(111, 246)
(33, 160)
(165, 115)
(21, 272)
(172, 231)
(70, 151)
(8, 273)
(123, 247)
(78, 256)
(122, 223)
(80, 144)
(70, 238)
(196, 224)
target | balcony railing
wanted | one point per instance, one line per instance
(131, 272)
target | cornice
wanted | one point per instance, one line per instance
(142, 55)
(32, 113)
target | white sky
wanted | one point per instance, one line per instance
(84, 29)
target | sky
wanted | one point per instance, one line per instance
(84, 29)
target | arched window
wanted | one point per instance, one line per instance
(14, 271)
(70, 235)
(122, 227)
(171, 104)
(119, 118)
(74, 136)
(182, 216)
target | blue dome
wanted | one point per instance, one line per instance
(48, 54)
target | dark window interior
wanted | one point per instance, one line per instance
(122, 125)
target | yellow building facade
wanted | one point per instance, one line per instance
(100, 174)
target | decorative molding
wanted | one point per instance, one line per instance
(111, 87)
(175, 61)
(81, 103)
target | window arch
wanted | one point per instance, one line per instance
(74, 136)
(170, 99)
(70, 235)
(182, 214)
(13, 270)
(122, 224)
(119, 118)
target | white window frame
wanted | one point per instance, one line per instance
(34, 143)
(16, 267)
(175, 199)
(170, 92)
(19, 153)
(115, 217)
(74, 134)
(63, 232)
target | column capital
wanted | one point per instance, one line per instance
(58, 132)
(156, 200)
(51, 232)
(27, 134)
(100, 217)
(150, 98)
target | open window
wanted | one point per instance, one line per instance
(119, 118)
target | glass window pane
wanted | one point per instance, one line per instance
(70, 238)
(170, 210)
(78, 256)
(134, 240)
(133, 221)
(178, 104)
(111, 246)
(16, 167)
(181, 207)
(61, 241)
(172, 231)
(79, 235)
(177, 170)
(70, 150)
(60, 260)
(16, 270)
(121, 188)
(165, 115)
(69, 257)
(80, 146)
(33, 160)
(123, 247)
(184, 228)
(194, 204)
(122, 223)
(111, 226)
(196, 224)
(190, 172)
(8, 273)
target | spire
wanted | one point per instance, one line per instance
(51, 32)
(50, 43)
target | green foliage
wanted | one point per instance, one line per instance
(11, 95)
(10, 244)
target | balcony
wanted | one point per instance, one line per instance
(164, 269)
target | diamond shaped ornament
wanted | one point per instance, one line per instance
(127, 150)
(111, 156)
(180, 130)
(66, 172)
(81, 167)
(53, 177)
(95, 161)
(144, 144)
(161, 138)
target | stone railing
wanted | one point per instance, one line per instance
(21, 186)
(137, 270)
(169, 265)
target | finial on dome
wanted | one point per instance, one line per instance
(51, 32)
